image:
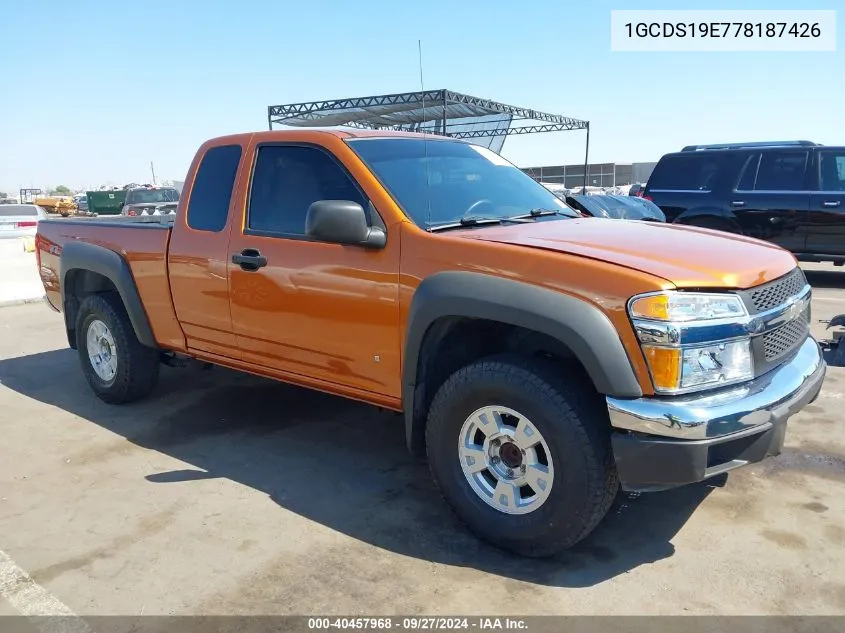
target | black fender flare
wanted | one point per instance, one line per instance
(581, 326)
(111, 265)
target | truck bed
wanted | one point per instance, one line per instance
(142, 241)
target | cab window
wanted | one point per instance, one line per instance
(287, 179)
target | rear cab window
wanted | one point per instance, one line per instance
(211, 194)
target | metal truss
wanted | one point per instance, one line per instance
(442, 112)
(436, 103)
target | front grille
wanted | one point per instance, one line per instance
(784, 339)
(775, 293)
(770, 349)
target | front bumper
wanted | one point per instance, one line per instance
(665, 442)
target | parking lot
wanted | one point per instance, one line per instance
(225, 493)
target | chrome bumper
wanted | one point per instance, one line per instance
(748, 408)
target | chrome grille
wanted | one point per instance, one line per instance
(775, 293)
(786, 338)
(773, 347)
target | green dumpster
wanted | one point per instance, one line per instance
(105, 202)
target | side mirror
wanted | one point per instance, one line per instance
(342, 222)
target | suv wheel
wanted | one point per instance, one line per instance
(521, 453)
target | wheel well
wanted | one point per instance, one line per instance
(454, 342)
(79, 284)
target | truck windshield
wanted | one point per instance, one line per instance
(453, 180)
(144, 196)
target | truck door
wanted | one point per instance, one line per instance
(198, 254)
(826, 234)
(323, 311)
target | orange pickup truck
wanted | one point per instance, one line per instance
(541, 359)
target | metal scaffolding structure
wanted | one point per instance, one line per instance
(442, 112)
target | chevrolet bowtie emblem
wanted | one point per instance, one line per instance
(795, 308)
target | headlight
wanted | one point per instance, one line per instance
(686, 306)
(675, 369)
(685, 348)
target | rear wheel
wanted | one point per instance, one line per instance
(118, 368)
(521, 453)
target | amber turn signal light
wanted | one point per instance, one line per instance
(664, 363)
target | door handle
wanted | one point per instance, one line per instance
(830, 204)
(249, 259)
(738, 203)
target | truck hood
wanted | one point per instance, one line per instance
(688, 257)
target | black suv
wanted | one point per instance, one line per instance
(790, 193)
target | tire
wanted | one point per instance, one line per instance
(572, 420)
(134, 371)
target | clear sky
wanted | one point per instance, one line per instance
(95, 90)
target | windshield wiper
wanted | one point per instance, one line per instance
(475, 220)
(538, 213)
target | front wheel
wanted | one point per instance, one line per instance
(520, 450)
(117, 366)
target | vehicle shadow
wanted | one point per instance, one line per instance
(340, 463)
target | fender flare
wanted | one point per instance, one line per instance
(103, 261)
(581, 326)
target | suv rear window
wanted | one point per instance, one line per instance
(695, 172)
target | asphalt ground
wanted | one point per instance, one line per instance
(228, 494)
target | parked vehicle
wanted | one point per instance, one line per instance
(150, 200)
(105, 202)
(637, 190)
(790, 193)
(833, 348)
(558, 189)
(63, 205)
(20, 220)
(539, 358)
(80, 201)
(616, 206)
